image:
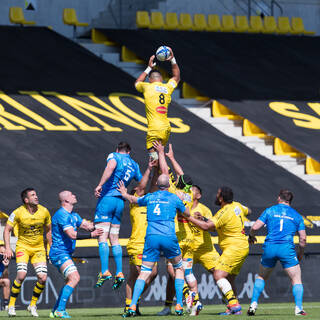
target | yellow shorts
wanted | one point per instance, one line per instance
(207, 258)
(186, 249)
(135, 255)
(156, 135)
(232, 260)
(36, 255)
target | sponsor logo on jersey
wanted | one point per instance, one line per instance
(161, 109)
(139, 256)
(20, 254)
(161, 89)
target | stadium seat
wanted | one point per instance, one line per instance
(185, 22)
(227, 23)
(241, 24)
(256, 24)
(283, 149)
(269, 25)
(189, 92)
(70, 18)
(129, 56)
(142, 19)
(99, 37)
(250, 129)
(298, 26)
(199, 22)
(312, 166)
(171, 22)
(220, 111)
(284, 25)
(16, 16)
(156, 21)
(213, 23)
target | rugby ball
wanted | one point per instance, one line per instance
(163, 53)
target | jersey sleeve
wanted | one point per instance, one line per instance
(47, 220)
(138, 175)
(65, 222)
(79, 220)
(171, 84)
(264, 216)
(219, 219)
(12, 220)
(140, 86)
(301, 225)
(245, 210)
(180, 205)
(143, 201)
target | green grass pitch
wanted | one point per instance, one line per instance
(267, 311)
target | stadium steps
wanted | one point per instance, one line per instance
(233, 128)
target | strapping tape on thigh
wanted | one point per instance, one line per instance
(114, 230)
(69, 269)
(41, 269)
(177, 265)
(22, 266)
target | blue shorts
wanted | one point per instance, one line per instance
(59, 259)
(155, 244)
(109, 209)
(284, 252)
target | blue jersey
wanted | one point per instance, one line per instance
(61, 221)
(282, 223)
(162, 208)
(126, 170)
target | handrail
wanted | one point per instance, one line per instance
(274, 2)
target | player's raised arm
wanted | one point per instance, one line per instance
(123, 190)
(175, 67)
(145, 73)
(176, 166)
(202, 222)
(140, 190)
(162, 159)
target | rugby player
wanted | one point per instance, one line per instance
(138, 218)
(157, 97)
(162, 207)
(228, 222)
(282, 222)
(65, 225)
(109, 209)
(31, 220)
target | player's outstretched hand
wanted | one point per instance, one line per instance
(158, 146)
(122, 188)
(152, 64)
(96, 233)
(8, 254)
(5, 262)
(198, 215)
(152, 163)
(170, 153)
(171, 54)
(252, 239)
(97, 191)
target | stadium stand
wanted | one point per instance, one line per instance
(156, 21)
(283, 149)
(298, 26)
(227, 23)
(214, 23)
(250, 129)
(70, 18)
(129, 56)
(171, 21)
(284, 25)
(199, 22)
(16, 16)
(312, 166)
(269, 25)
(142, 19)
(241, 24)
(185, 22)
(220, 111)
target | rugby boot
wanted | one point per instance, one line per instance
(179, 310)
(12, 312)
(252, 309)
(51, 315)
(196, 308)
(102, 278)
(189, 300)
(118, 281)
(61, 314)
(131, 312)
(299, 312)
(33, 311)
(166, 311)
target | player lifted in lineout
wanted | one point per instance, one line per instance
(157, 97)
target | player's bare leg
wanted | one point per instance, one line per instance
(41, 272)
(5, 284)
(170, 292)
(104, 274)
(117, 254)
(225, 287)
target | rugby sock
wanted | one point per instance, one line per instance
(297, 291)
(128, 302)
(138, 288)
(168, 303)
(185, 290)
(37, 290)
(258, 288)
(65, 294)
(15, 290)
(225, 287)
(104, 256)
(178, 284)
(57, 303)
(117, 254)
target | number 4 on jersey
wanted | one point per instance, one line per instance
(157, 210)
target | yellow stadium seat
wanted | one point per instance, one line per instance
(213, 23)
(298, 26)
(70, 18)
(99, 37)
(250, 129)
(129, 56)
(256, 24)
(220, 111)
(171, 22)
(16, 16)
(269, 25)
(142, 19)
(241, 24)
(185, 22)
(284, 25)
(227, 23)
(157, 21)
(189, 92)
(199, 22)
(312, 166)
(283, 149)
